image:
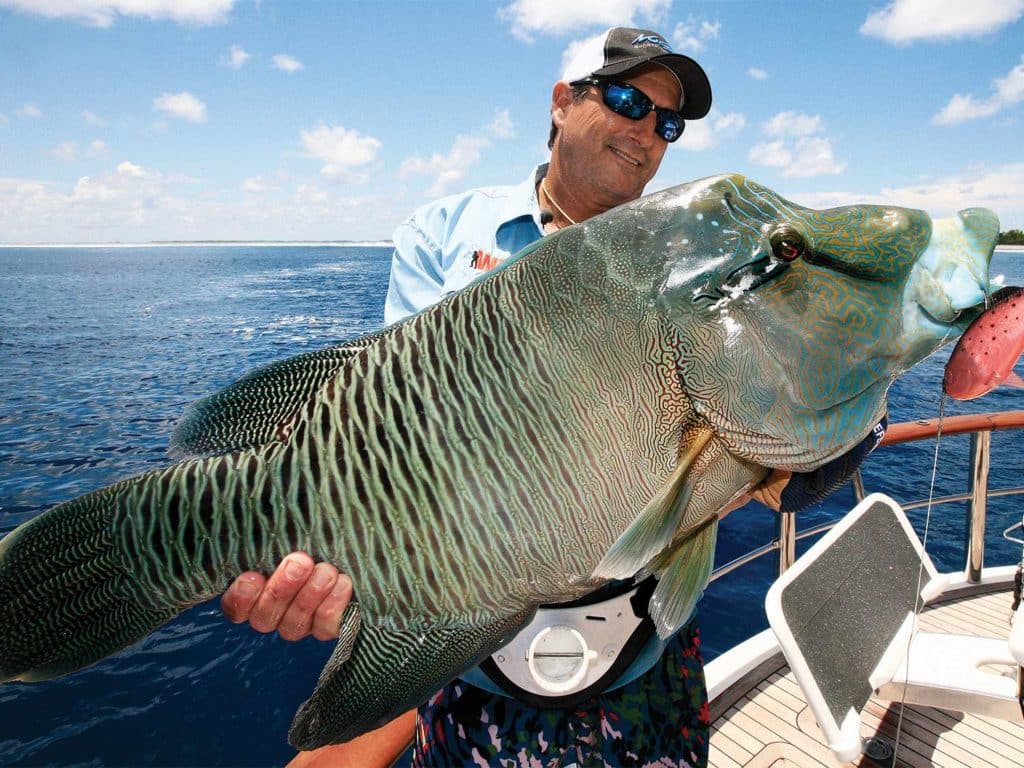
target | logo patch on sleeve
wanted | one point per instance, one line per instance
(484, 261)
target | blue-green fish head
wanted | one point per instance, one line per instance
(791, 323)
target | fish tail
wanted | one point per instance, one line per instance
(98, 573)
(68, 596)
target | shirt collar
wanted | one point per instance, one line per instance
(522, 202)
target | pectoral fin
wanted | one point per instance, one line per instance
(656, 526)
(682, 582)
(385, 672)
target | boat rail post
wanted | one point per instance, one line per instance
(858, 485)
(981, 445)
(787, 540)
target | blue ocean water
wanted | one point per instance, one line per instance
(101, 349)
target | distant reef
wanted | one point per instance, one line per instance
(1013, 237)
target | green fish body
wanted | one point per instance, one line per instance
(580, 414)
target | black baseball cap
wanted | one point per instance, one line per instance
(620, 50)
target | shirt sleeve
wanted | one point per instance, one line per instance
(807, 488)
(417, 273)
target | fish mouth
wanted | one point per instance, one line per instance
(951, 320)
(949, 284)
(996, 293)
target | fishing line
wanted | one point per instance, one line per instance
(918, 602)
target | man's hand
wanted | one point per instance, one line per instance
(769, 492)
(299, 599)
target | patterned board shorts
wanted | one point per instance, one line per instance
(659, 719)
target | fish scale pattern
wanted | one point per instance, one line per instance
(500, 436)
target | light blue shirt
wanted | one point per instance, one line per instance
(443, 247)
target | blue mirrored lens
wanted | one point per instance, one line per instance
(627, 101)
(631, 102)
(668, 127)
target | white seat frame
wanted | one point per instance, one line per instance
(956, 672)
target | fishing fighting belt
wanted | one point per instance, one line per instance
(571, 652)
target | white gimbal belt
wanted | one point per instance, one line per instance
(573, 651)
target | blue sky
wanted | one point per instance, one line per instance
(139, 120)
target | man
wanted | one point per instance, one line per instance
(619, 104)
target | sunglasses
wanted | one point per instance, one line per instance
(629, 101)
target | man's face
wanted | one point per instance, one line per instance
(610, 158)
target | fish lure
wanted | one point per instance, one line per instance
(984, 357)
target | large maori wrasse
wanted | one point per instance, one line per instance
(580, 414)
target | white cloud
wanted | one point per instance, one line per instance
(132, 171)
(1007, 91)
(757, 73)
(310, 194)
(807, 156)
(813, 156)
(125, 203)
(774, 154)
(92, 118)
(97, 148)
(3, 120)
(286, 63)
(705, 134)
(258, 185)
(103, 13)
(691, 36)
(904, 21)
(544, 17)
(236, 57)
(1000, 188)
(795, 148)
(88, 190)
(465, 152)
(30, 110)
(793, 124)
(127, 207)
(183, 106)
(66, 151)
(502, 127)
(342, 150)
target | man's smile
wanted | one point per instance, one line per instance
(626, 156)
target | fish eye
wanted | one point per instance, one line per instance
(787, 244)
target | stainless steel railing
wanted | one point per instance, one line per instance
(979, 427)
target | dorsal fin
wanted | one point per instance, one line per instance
(252, 411)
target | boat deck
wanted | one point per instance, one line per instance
(771, 725)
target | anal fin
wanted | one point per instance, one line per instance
(376, 674)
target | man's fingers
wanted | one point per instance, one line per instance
(283, 585)
(298, 619)
(241, 596)
(327, 619)
(769, 492)
(298, 599)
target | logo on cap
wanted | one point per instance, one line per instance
(653, 40)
